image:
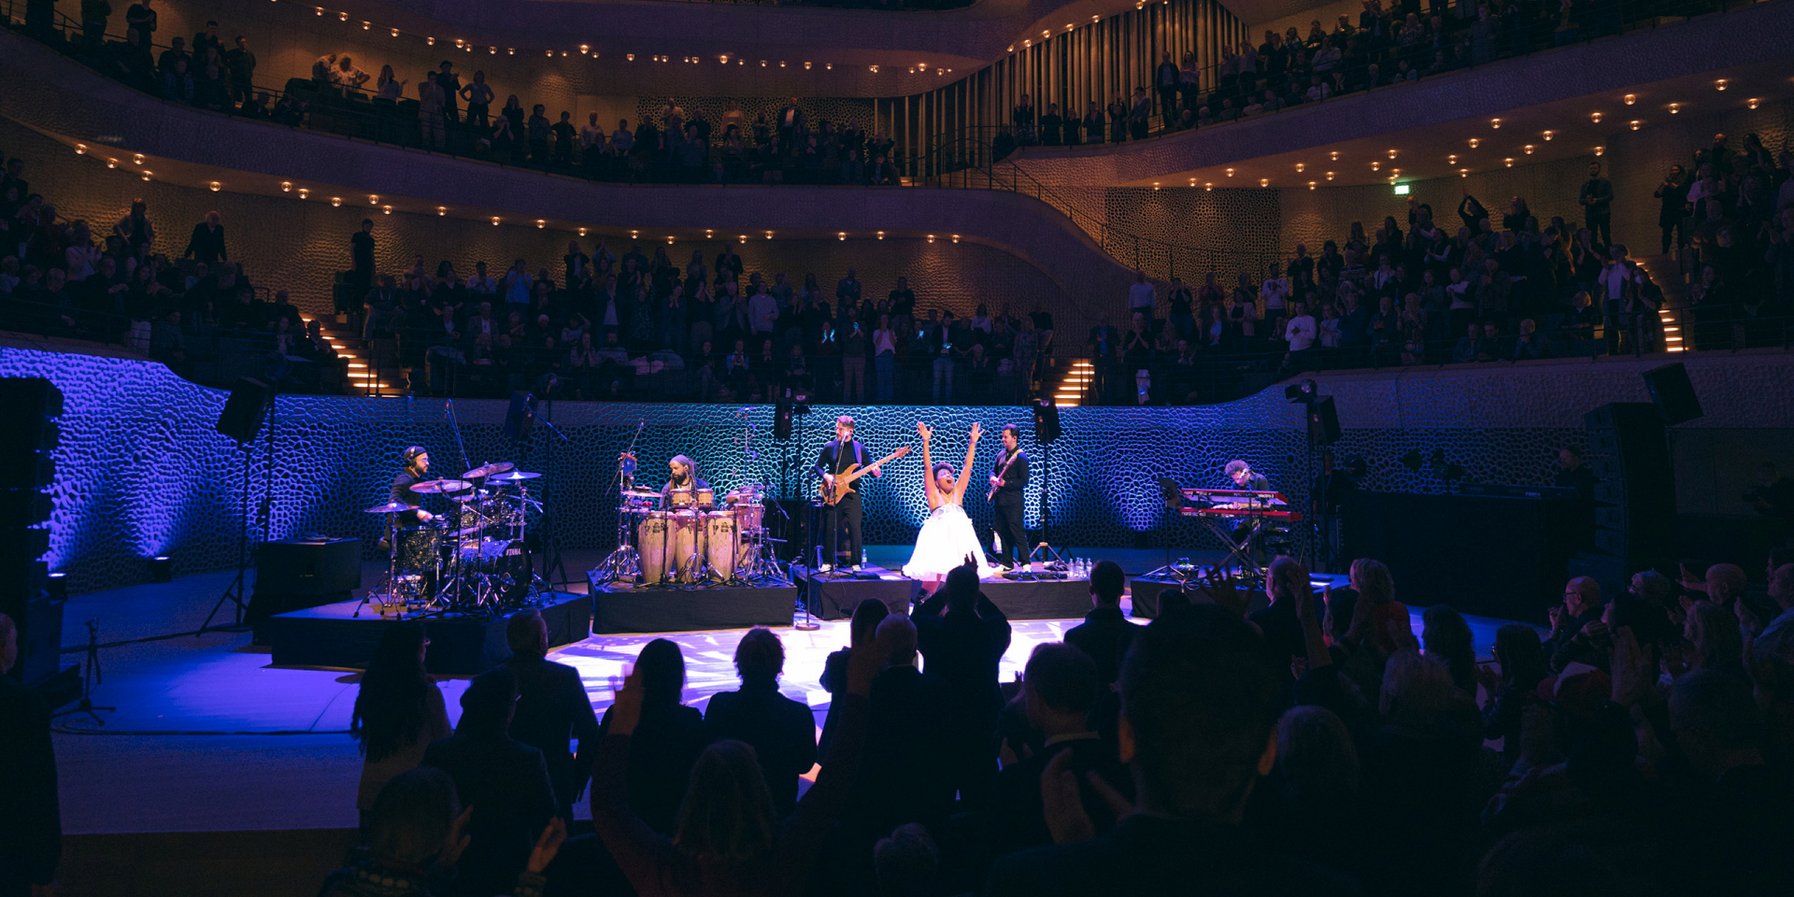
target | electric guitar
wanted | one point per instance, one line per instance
(1001, 474)
(845, 478)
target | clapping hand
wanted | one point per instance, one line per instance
(456, 841)
(549, 844)
(626, 707)
(1062, 800)
(1218, 588)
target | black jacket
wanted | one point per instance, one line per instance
(1015, 481)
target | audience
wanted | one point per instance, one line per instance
(670, 735)
(30, 814)
(962, 637)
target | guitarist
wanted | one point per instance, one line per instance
(840, 452)
(1008, 479)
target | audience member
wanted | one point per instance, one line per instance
(781, 731)
(398, 710)
(30, 811)
(552, 709)
(962, 637)
(668, 736)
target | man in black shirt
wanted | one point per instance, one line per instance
(1105, 634)
(552, 708)
(1008, 482)
(207, 243)
(1573, 474)
(361, 261)
(840, 452)
(417, 469)
(240, 60)
(1596, 199)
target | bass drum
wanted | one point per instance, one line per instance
(506, 565)
(417, 549)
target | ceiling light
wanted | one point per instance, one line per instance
(931, 238)
(304, 192)
(1630, 98)
(1595, 117)
(1495, 123)
(1752, 103)
(1375, 165)
(1721, 84)
(80, 149)
(583, 231)
(147, 173)
(1675, 108)
(1300, 167)
(441, 211)
(496, 220)
(956, 238)
(373, 199)
(1230, 172)
(1330, 175)
(111, 163)
(540, 224)
(1209, 187)
(137, 158)
(1475, 142)
(1334, 155)
(1392, 154)
(769, 235)
(841, 235)
(215, 186)
(1600, 151)
(1509, 161)
(1633, 124)
(386, 210)
(1463, 172)
(881, 235)
(1527, 149)
(336, 202)
(1311, 185)
(1264, 182)
(286, 186)
(743, 238)
(1548, 135)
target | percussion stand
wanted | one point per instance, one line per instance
(551, 558)
(700, 556)
(624, 562)
(392, 567)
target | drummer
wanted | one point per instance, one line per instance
(681, 490)
(417, 469)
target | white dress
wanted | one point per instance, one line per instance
(945, 540)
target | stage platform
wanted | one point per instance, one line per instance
(623, 609)
(333, 635)
(834, 596)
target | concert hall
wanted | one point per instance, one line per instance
(896, 448)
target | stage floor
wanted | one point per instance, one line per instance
(209, 736)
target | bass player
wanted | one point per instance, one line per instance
(837, 455)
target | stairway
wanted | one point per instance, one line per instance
(1668, 276)
(357, 358)
(1074, 387)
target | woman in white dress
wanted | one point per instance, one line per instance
(947, 537)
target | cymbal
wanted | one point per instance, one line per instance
(640, 493)
(431, 487)
(515, 476)
(490, 468)
(391, 507)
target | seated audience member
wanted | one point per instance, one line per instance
(398, 710)
(781, 731)
(1313, 799)
(727, 840)
(502, 781)
(30, 814)
(908, 746)
(962, 637)
(666, 741)
(1510, 692)
(864, 625)
(1581, 606)
(1105, 635)
(1286, 584)
(415, 840)
(1060, 686)
(1200, 702)
(1375, 620)
(552, 708)
(1446, 637)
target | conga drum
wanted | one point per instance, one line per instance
(706, 498)
(651, 541)
(682, 546)
(722, 544)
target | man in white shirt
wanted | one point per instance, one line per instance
(1616, 280)
(763, 313)
(1142, 297)
(1300, 331)
(1274, 294)
(481, 282)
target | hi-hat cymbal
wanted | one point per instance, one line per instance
(431, 487)
(391, 507)
(515, 476)
(640, 493)
(489, 469)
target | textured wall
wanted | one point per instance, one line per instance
(140, 470)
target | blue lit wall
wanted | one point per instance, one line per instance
(141, 471)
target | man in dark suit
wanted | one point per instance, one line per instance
(781, 731)
(1060, 687)
(1010, 478)
(1105, 635)
(502, 780)
(906, 748)
(840, 452)
(962, 636)
(552, 708)
(30, 815)
(1199, 704)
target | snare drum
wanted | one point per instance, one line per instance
(666, 541)
(722, 544)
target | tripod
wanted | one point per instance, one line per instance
(235, 592)
(90, 677)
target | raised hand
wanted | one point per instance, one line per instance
(456, 841)
(925, 431)
(626, 708)
(977, 431)
(549, 844)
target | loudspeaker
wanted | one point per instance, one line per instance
(1323, 421)
(242, 416)
(1635, 480)
(781, 421)
(298, 573)
(1672, 393)
(27, 443)
(1046, 420)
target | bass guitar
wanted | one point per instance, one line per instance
(845, 478)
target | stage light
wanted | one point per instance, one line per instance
(56, 586)
(161, 568)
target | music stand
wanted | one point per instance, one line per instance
(1173, 496)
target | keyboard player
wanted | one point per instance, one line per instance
(1247, 532)
(1244, 477)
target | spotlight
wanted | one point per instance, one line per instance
(1303, 392)
(57, 586)
(161, 568)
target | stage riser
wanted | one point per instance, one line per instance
(1046, 599)
(635, 609)
(331, 636)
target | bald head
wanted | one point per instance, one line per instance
(1725, 582)
(1582, 595)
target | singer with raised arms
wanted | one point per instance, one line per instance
(947, 537)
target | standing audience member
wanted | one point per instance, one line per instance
(962, 637)
(398, 710)
(667, 738)
(552, 708)
(781, 731)
(1105, 635)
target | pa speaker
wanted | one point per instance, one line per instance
(1672, 393)
(242, 416)
(1323, 421)
(520, 417)
(781, 421)
(1046, 420)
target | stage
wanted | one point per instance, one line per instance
(345, 634)
(633, 608)
(834, 595)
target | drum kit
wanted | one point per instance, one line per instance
(697, 539)
(472, 555)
